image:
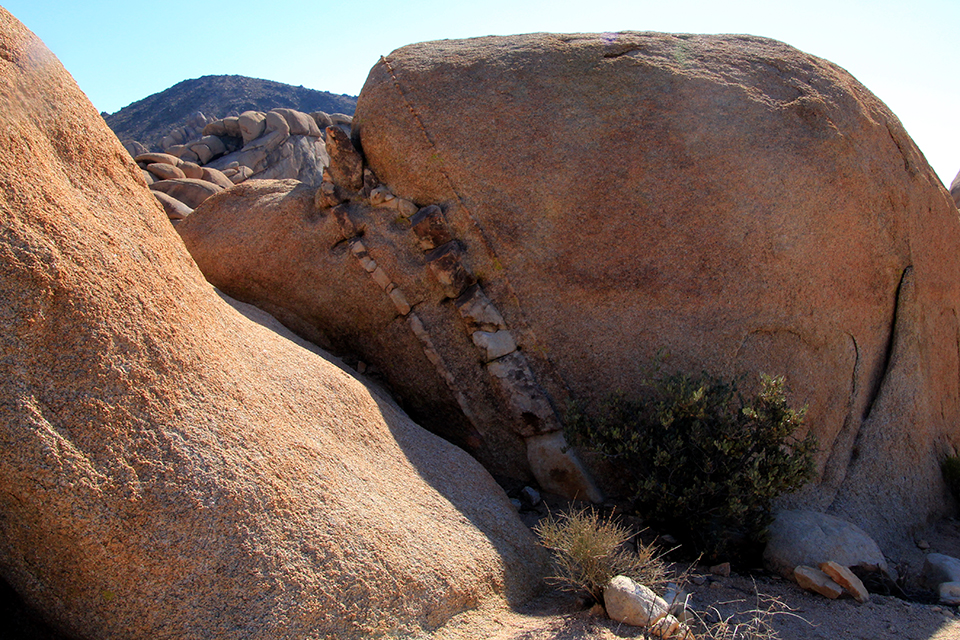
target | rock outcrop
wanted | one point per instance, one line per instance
(738, 203)
(282, 143)
(744, 206)
(955, 190)
(170, 469)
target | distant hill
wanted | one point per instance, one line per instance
(150, 119)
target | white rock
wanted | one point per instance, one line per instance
(494, 345)
(632, 603)
(939, 568)
(949, 593)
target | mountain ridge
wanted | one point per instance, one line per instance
(150, 119)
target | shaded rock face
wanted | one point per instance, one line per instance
(168, 468)
(743, 205)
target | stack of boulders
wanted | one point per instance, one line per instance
(434, 300)
(180, 185)
(820, 553)
(281, 143)
(191, 131)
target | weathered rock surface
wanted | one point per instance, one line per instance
(846, 579)
(813, 579)
(955, 190)
(745, 206)
(632, 603)
(170, 469)
(189, 191)
(810, 538)
(939, 568)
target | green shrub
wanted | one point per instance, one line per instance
(589, 550)
(704, 463)
(951, 474)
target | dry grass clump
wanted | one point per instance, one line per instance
(588, 550)
(750, 624)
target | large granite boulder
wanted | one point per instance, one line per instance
(743, 205)
(169, 468)
(955, 189)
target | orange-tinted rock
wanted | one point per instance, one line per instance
(169, 468)
(216, 177)
(164, 171)
(174, 209)
(744, 206)
(187, 190)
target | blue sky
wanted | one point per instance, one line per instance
(122, 51)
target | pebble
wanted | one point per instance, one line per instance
(698, 580)
(531, 496)
(722, 569)
(516, 504)
(923, 544)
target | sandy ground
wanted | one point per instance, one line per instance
(910, 615)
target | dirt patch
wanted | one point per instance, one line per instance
(910, 614)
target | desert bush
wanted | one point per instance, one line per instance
(588, 550)
(704, 462)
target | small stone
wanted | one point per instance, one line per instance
(939, 568)
(632, 603)
(530, 496)
(716, 584)
(478, 312)
(380, 195)
(243, 173)
(846, 579)
(936, 609)
(448, 269)
(516, 504)
(327, 195)
(923, 544)
(341, 214)
(431, 228)
(406, 207)
(813, 579)
(949, 593)
(668, 539)
(370, 181)
(597, 611)
(381, 278)
(399, 301)
(494, 345)
(557, 468)
(665, 627)
(678, 601)
(722, 569)
(698, 580)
